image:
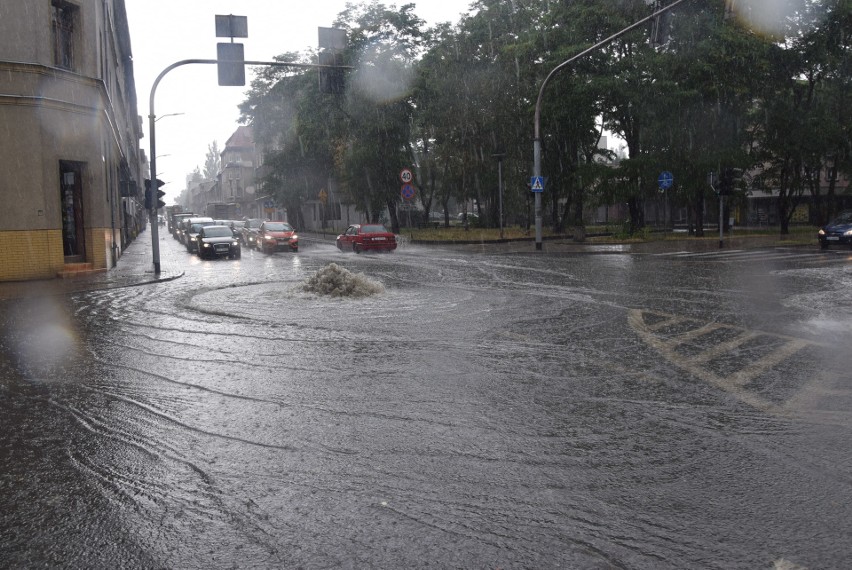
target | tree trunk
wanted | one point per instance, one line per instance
(394, 218)
(637, 218)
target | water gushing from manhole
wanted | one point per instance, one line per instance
(335, 281)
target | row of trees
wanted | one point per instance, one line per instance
(700, 90)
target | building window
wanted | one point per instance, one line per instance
(64, 18)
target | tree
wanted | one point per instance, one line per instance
(212, 164)
(295, 125)
(707, 94)
(376, 139)
(805, 121)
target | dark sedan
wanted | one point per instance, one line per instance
(366, 237)
(249, 232)
(217, 241)
(837, 232)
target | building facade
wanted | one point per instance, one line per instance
(237, 190)
(70, 164)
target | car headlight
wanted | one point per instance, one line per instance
(206, 244)
(821, 232)
(848, 233)
(269, 237)
(235, 243)
(294, 238)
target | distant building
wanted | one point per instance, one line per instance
(237, 179)
(70, 168)
(237, 188)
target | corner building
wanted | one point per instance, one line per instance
(70, 164)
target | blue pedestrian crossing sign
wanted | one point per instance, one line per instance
(537, 183)
(665, 180)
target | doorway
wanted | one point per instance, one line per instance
(71, 203)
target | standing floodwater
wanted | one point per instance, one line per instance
(475, 410)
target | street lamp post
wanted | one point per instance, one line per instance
(537, 132)
(499, 156)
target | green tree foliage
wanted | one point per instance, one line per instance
(296, 126)
(377, 138)
(804, 124)
(699, 90)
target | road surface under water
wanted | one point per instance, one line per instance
(484, 410)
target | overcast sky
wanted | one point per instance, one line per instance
(163, 32)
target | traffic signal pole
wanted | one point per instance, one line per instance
(152, 130)
(537, 135)
(152, 119)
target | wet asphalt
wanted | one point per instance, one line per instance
(481, 408)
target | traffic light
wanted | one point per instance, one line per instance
(726, 182)
(149, 195)
(730, 181)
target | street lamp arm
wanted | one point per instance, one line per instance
(537, 117)
(587, 51)
(169, 115)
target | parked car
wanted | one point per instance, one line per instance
(274, 236)
(191, 228)
(837, 232)
(248, 232)
(216, 241)
(366, 237)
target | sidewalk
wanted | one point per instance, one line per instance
(134, 267)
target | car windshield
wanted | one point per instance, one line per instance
(218, 231)
(373, 229)
(843, 218)
(278, 227)
(196, 227)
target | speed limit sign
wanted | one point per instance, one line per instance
(406, 175)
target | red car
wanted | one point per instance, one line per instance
(366, 237)
(272, 236)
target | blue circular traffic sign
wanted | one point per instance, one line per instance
(666, 179)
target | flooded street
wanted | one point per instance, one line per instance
(484, 410)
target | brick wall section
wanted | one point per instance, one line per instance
(37, 254)
(33, 254)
